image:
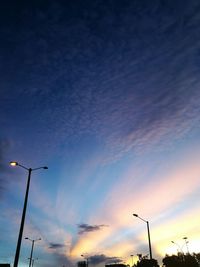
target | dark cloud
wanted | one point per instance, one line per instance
(97, 259)
(84, 228)
(56, 245)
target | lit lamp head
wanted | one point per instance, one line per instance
(14, 163)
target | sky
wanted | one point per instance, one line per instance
(106, 94)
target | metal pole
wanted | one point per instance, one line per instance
(33, 241)
(150, 252)
(22, 221)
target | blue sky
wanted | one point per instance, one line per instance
(106, 94)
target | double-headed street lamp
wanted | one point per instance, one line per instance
(148, 231)
(31, 255)
(180, 248)
(14, 163)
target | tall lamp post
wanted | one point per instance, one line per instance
(31, 255)
(148, 231)
(14, 163)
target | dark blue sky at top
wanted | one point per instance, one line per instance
(105, 71)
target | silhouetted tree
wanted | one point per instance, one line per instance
(180, 260)
(191, 261)
(172, 261)
(147, 263)
(197, 257)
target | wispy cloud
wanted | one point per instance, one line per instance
(85, 228)
(97, 259)
(122, 198)
(56, 245)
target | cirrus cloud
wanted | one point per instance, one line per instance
(97, 259)
(84, 228)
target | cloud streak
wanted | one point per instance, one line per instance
(56, 245)
(85, 228)
(97, 259)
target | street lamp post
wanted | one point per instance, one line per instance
(148, 232)
(14, 163)
(180, 248)
(31, 255)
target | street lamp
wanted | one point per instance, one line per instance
(85, 257)
(180, 248)
(14, 163)
(148, 231)
(31, 255)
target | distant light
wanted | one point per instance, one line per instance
(13, 163)
(135, 215)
